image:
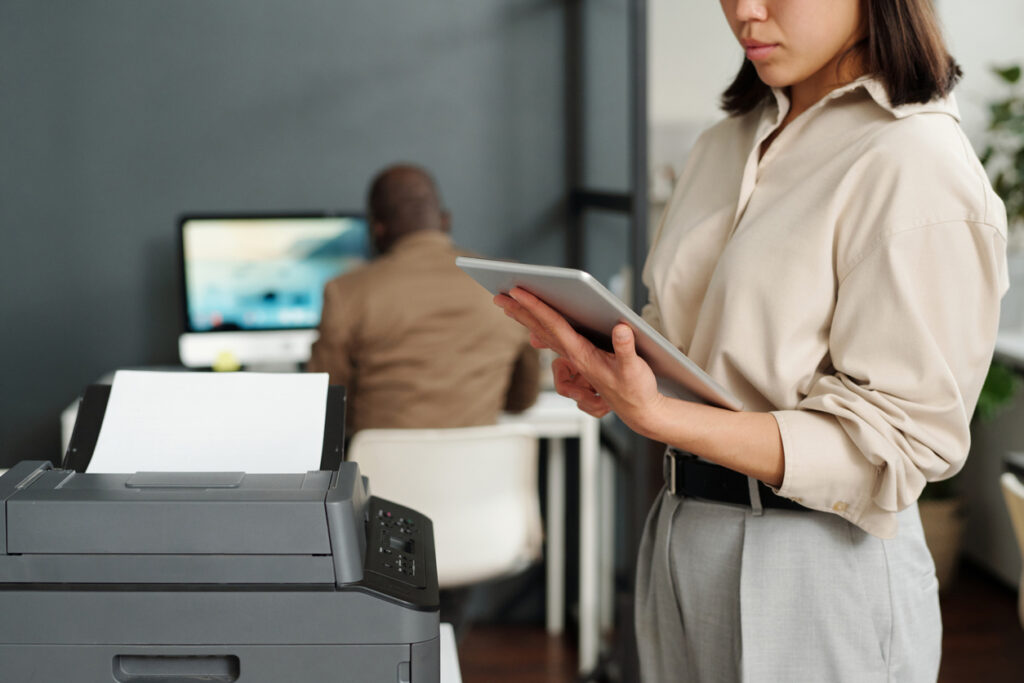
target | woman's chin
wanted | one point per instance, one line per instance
(773, 77)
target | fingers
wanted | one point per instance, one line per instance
(586, 399)
(597, 412)
(554, 329)
(540, 338)
(562, 370)
(589, 402)
(568, 378)
(624, 342)
(619, 374)
(571, 384)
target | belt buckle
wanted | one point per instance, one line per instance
(670, 471)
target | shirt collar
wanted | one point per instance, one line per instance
(876, 89)
(421, 238)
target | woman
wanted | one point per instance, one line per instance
(834, 255)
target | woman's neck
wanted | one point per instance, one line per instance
(844, 68)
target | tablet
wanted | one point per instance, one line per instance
(593, 311)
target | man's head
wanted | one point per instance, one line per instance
(403, 199)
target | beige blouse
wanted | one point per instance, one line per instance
(848, 282)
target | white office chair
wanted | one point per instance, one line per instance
(478, 485)
(1013, 492)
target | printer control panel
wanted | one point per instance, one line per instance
(396, 546)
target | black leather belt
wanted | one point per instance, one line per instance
(687, 476)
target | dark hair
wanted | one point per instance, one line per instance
(405, 198)
(903, 47)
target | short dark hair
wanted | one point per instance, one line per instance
(405, 198)
(903, 47)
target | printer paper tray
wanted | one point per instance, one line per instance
(225, 664)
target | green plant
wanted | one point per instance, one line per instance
(1001, 385)
(1003, 156)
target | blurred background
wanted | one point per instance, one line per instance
(555, 129)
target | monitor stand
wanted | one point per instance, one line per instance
(254, 350)
(273, 367)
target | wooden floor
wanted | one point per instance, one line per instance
(982, 636)
(983, 641)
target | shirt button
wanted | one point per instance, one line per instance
(839, 507)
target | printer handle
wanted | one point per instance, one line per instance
(185, 480)
(176, 668)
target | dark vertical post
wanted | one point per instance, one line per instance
(573, 133)
(641, 447)
(638, 133)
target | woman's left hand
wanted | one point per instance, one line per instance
(597, 380)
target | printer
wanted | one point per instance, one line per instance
(174, 577)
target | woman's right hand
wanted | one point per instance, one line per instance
(599, 381)
(570, 383)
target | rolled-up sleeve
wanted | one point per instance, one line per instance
(911, 340)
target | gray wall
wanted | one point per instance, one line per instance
(605, 132)
(118, 115)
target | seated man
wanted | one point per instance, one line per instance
(415, 341)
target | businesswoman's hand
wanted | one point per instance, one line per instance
(597, 380)
(571, 383)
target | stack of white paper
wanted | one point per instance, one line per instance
(212, 422)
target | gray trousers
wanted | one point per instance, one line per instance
(726, 595)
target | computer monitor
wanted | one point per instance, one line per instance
(252, 285)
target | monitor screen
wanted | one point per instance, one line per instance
(264, 272)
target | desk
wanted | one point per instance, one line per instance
(450, 672)
(556, 418)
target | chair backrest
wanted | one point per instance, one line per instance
(1013, 492)
(478, 485)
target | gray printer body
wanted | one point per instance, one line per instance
(176, 577)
